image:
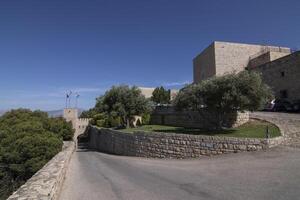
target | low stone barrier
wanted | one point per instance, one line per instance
(170, 145)
(47, 182)
(191, 119)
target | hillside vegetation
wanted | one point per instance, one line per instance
(28, 140)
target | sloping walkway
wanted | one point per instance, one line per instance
(289, 125)
(271, 174)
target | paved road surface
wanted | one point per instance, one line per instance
(273, 174)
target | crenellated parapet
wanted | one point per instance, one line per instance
(79, 124)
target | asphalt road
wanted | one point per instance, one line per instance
(274, 174)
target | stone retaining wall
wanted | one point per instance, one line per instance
(170, 145)
(192, 119)
(47, 182)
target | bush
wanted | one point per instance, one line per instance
(124, 102)
(146, 119)
(28, 140)
(114, 121)
(60, 127)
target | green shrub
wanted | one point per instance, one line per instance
(28, 140)
(100, 123)
(146, 119)
(114, 121)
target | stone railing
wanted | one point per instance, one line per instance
(170, 145)
(47, 182)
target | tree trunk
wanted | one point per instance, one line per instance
(219, 122)
(127, 123)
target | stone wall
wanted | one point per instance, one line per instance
(169, 145)
(235, 57)
(193, 119)
(81, 125)
(225, 57)
(289, 127)
(204, 64)
(283, 75)
(47, 182)
(262, 59)
(71, 115)
(265, 58)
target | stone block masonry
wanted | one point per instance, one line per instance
(227, 57)
(169, 145)
(47, 182)
(282, 75)
(192, 119)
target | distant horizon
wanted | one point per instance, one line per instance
(50, 47)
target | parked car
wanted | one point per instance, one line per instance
(269, 106)
(296, 105)
(279, 105)
(282, 105)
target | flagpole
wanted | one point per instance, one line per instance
(76, 100)
(66, 99)
(70, 93)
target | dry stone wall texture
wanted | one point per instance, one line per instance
(47, 182)
(193, 119)
(170, 145)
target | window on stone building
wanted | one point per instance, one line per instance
(282, 74)
(283, 94)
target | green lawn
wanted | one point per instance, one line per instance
(252, 129)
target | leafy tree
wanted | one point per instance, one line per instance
(28, 140)
(146, 118)
(226, 94)
(123, 102)
(60, 127)
(88, 113)
(161, 96)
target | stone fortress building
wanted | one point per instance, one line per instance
(280, 67)
(283, 76)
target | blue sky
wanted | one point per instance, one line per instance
(48, 47)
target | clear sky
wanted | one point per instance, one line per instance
(50, 46)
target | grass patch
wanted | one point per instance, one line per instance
(251, 129)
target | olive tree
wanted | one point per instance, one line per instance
(161, 96)
(124, 102)
(225, 94)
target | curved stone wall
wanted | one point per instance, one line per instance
(170, 145)
(167, 115)
(47, 182)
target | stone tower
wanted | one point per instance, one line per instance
(71, 114)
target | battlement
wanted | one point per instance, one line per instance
(83, 120)
(79, 124)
